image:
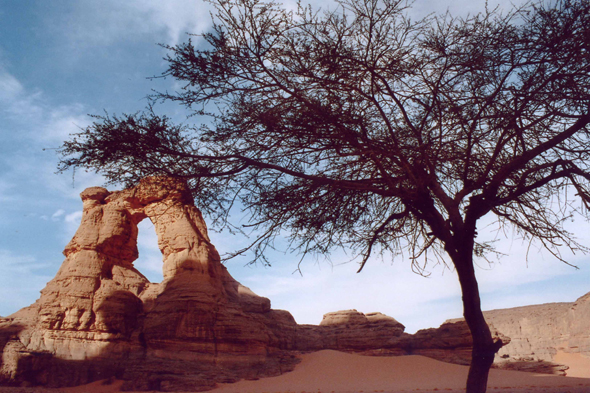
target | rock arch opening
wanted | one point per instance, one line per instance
(149, 263)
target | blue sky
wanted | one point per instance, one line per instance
(61, 60)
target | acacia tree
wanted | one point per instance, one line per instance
(360, 128)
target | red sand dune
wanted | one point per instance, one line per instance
(332, 371)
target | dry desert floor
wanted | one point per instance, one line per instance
(336, 372)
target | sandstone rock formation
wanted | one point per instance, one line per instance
(539, 332)
(351, 331)
(100, 317)
(376, 334)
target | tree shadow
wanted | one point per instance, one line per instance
(534, 366)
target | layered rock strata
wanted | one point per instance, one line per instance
(376, 334)
(100, 317)
(540, 332)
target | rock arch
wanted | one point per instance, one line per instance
(99, 316)
(109, 227)
(100, 256)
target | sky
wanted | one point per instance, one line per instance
(62, 60)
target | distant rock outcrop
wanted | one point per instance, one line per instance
(539, 332)
(376, 334)
(100, 317)
(351, 331)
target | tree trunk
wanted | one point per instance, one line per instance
(484, 348)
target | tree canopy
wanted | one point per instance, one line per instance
(364, 129)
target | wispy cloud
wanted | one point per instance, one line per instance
(25, 270)
(74, 217)
(55, 216)
(21, 264)
(88, 24)
(32, 129)
(10, 87)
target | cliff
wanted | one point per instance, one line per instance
(100, 317)
(538, 333)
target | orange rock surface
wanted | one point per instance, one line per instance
(100, 317)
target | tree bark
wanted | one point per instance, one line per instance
(484, 347)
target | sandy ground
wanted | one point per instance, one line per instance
(579, 365)
(332, 371)
(336, 372)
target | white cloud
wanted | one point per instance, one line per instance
(72, 221)
(55, 216)
(36, 130)
(19, 264)
(177, 17)
(103, 23)
(33, 117)
(20, 280)
(10, 87)
(15, 101)
(74, 217)
(59, 123)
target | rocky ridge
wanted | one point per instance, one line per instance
(540, 332)
(100, 317)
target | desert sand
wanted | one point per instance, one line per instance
(331, 371)
(579, 365)
(338, 372)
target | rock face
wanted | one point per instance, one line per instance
(578, 318)
(352, 331)
(536, 334)
(100, 317)
(377, 334)
(539, 332)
